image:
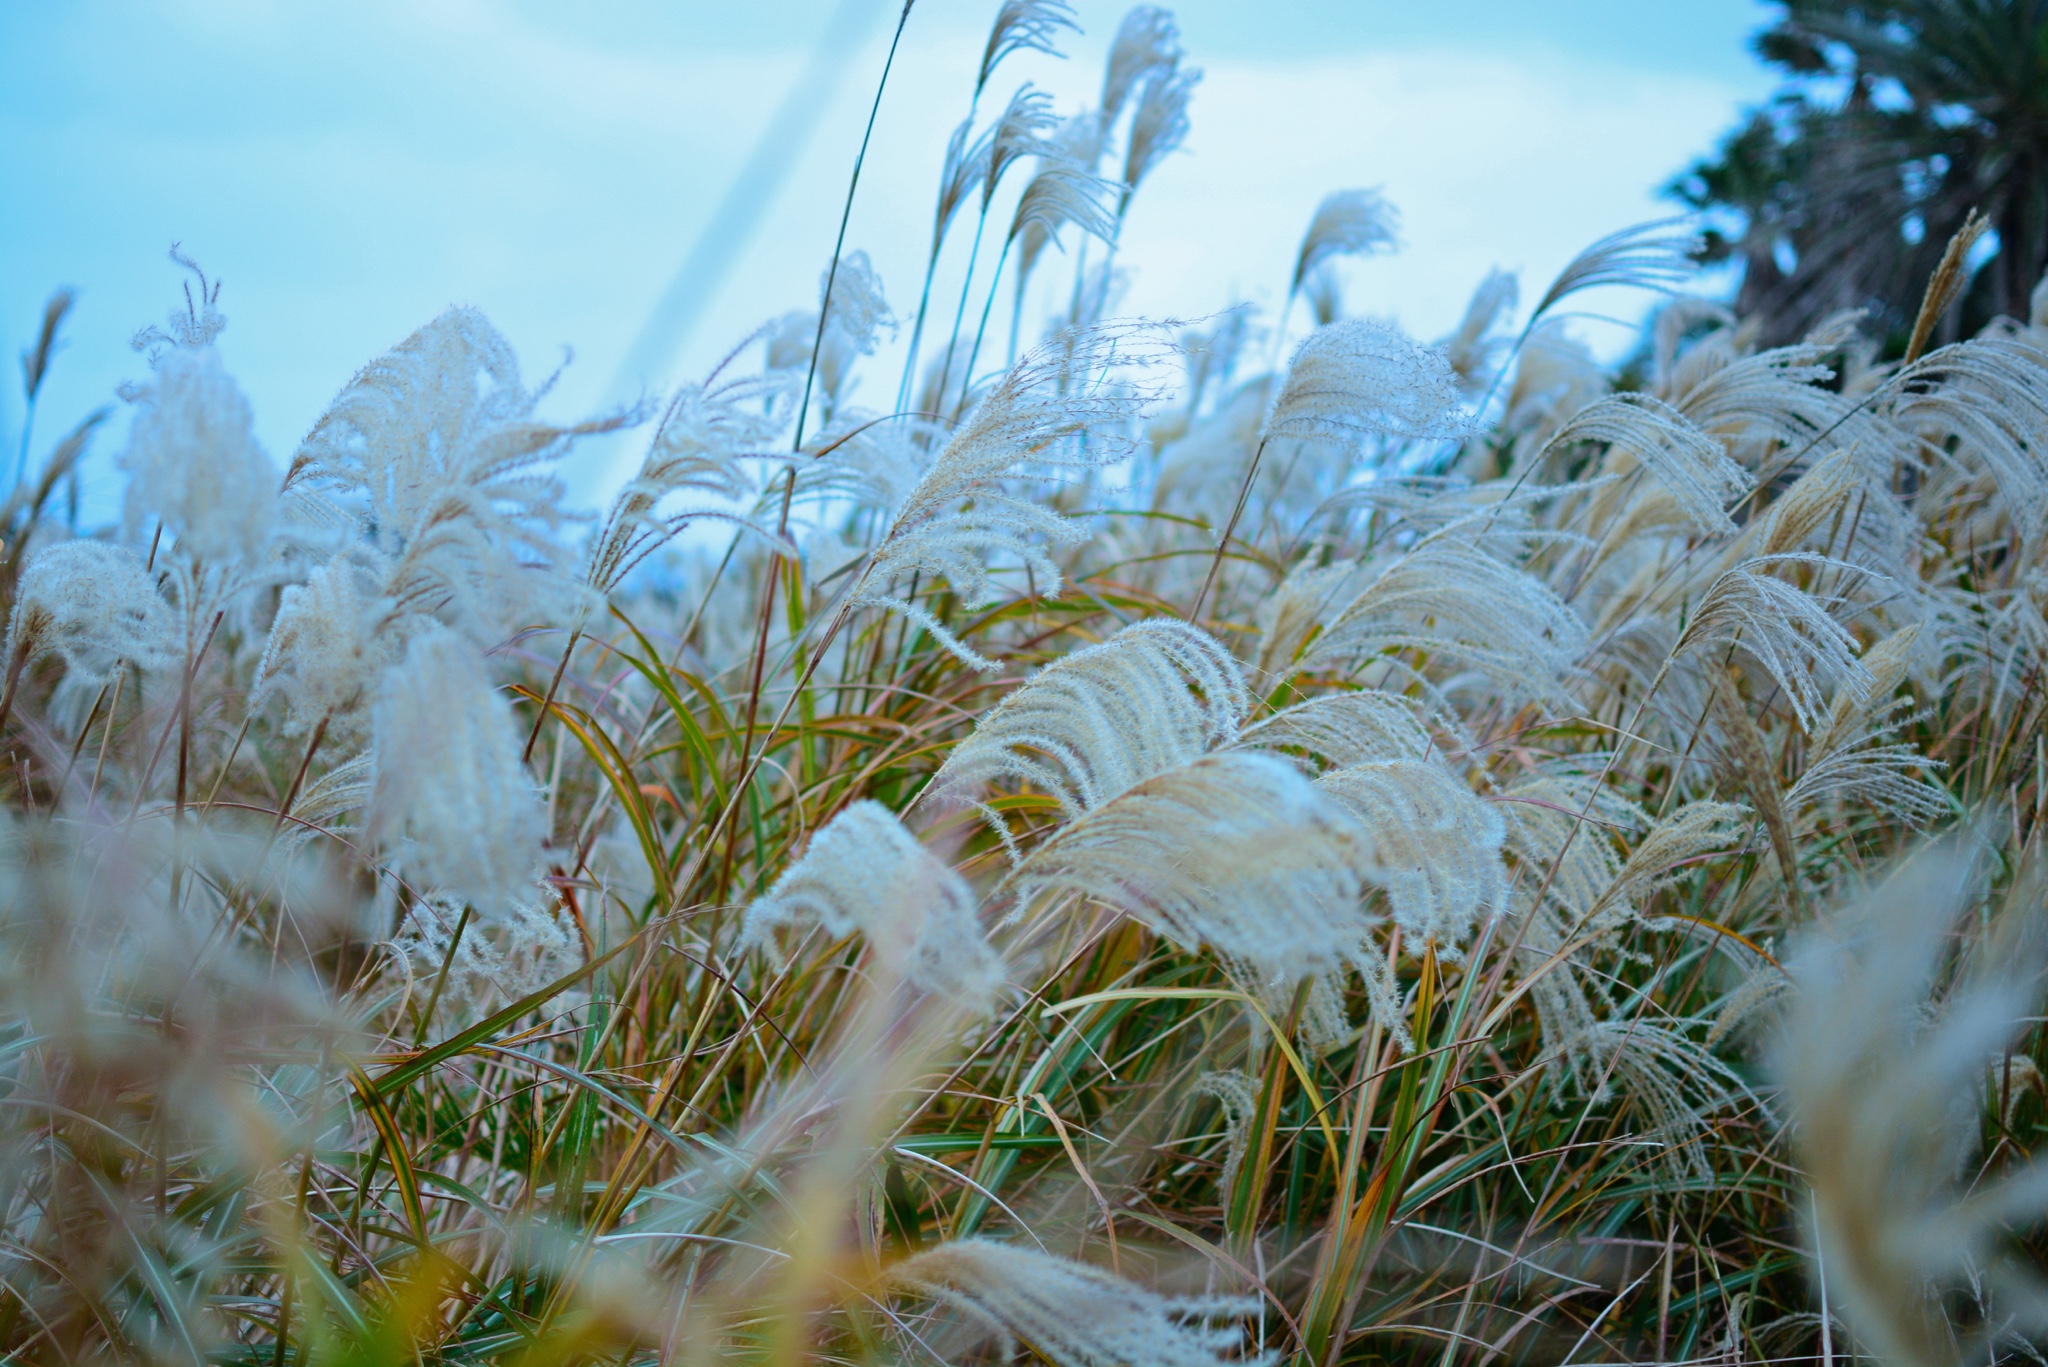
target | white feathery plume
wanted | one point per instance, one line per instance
(1023, 26)
(1676, 1083)
(502, 956)
(1555, 377)
(1064, 403)
(1979, 403)
(1340, 729)
(1888, 663)
(1674, 367)
(1435, 847)
(1573, 864)
(1071, 193)
(1874, 772)
(1146, 42)
(1019, 133)
(864, 872)
(1692, 830)
(1450, 599)
(858, 307)
(1473, 346)
(1542, 811)
(193, 462)
(195, 327)
(1160, 124)
(965, 168)
(433, 451)
(452, 799)
(1324, 290)
(788, 340)
(1691, 465)
(1347, 223)
(1360, 378)
(1235, 851)
(705, 434)
(1100, 721)
(1815, 499)
(1648, 256)
(343, 789)
(1588, 894)
(1785, 629)
(1776, 396)
(1233, 1093)
(874, 463)
(1884, 1077)
(1059, 193)
(92, 604)
(856, 312)
(1858, 757)
(324, 653)
(1198, 471)
(1075, 1315)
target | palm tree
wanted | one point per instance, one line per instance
(1895, 121)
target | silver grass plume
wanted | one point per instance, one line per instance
(705, 434)
(1815, 499)
(1647, 256)
(1473, 346)
(1785, 629)
(1555, 377)
(1065, 403)
(1160, 124)
(856, 313)
(452, 800)
(1233, 1093)
(1078, 144)
(1657, 1069)
(193, 462)
(1781, 397)
(195, 327)
(1019, 133)
(1146, 42)
(1023, 26)
(1435, 847)
(325, 652)
(1074, 1315)
(1451, 599)
(1295, 613)
(1566, 865)
(1340, 729)
(433, 452)
(1978, 403)
(1059, 193)
(1858, 757)
(1347, 223)
(966, 166)
(864, 872)
(1100, 721)
(92, 604)
(1692, 466)
(501, 956)
(1235, 851)
(1884, 1076)
(1695, 829)
(1360, 378)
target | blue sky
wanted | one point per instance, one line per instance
(350, 170)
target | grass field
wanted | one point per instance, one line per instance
(1245, 840)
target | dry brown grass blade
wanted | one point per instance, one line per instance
(1946, 282)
